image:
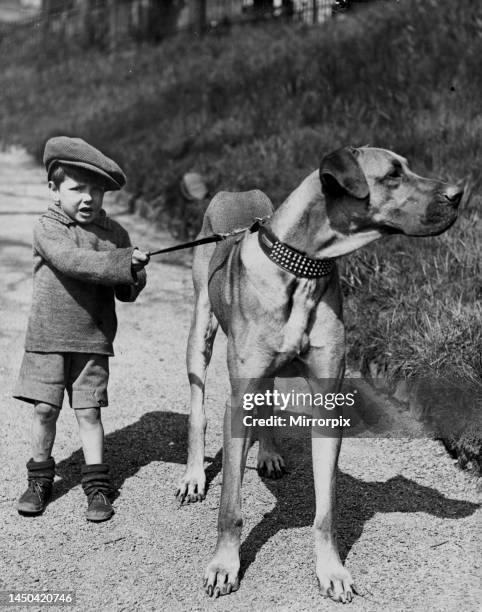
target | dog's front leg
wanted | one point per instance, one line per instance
(222, 574)
(334, 579)
(325, 369)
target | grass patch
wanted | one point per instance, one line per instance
(421, 303)
(258, 107)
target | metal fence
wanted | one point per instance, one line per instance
(309, 11)
(108, 24)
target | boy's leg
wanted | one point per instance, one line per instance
(44, 427)
(96, 480)
(41, 383)
(91, 433)
(87, 388)
(41, 468)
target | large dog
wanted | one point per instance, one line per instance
(275, 293)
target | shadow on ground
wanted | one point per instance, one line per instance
(358, 501)
(156, 436)
(162, 436)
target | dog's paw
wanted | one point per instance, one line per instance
(221, 577)
(270, 464)
(191, 487)
(335, 582)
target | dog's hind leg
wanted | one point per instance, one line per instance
(192, 485)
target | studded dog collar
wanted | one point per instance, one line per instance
(291, 259)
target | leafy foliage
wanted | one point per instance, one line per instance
(259, 106)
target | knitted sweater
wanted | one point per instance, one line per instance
(78, 269)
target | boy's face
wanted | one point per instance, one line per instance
(80, 195)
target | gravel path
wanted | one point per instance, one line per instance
(408, 521)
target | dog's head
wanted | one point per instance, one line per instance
(373, 190)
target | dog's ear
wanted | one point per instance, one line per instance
(341, 173)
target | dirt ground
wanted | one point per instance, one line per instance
(408, 521)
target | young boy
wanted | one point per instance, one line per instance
(82, 260)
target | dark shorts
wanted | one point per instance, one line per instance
(45, 376)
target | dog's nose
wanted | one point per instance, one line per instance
(453, 194)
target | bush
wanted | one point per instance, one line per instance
(260, 106)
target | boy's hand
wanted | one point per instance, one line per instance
(139, 260)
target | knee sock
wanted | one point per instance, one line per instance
(42, 471)
(96, 478)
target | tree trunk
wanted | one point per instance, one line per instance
(163, 15)
(113, 24)
(288, 8)
(46, 12)
(262, 6)
(87, 23)
(197, 9)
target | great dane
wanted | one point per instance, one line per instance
(275, 292)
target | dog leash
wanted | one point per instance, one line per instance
(286, 257)
(258, 221)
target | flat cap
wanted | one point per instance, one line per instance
(80, 154)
